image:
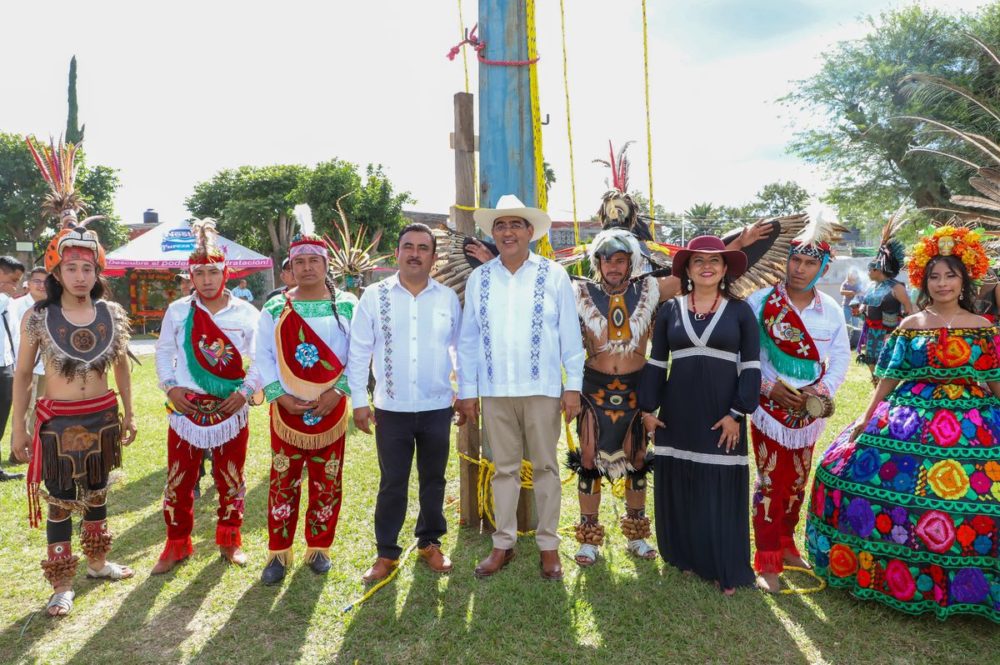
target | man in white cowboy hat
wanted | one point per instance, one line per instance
(519, 333)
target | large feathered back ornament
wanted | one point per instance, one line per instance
(351, 257)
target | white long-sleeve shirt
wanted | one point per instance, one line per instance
(824, 320)
(238, 320)
(17, 309)
(319, 316)
(411, 340)
(519, 331)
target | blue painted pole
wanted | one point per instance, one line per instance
(506, 150)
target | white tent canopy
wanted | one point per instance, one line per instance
(168, 246)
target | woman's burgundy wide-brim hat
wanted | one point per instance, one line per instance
(736, 261)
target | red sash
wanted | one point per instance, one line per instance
(308, 369)
(214, 362)
(790, 348)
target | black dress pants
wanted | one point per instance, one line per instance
(6, 395)
(397, 435)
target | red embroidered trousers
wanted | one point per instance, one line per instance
(183, 462)
(325, 469)
(782, 475)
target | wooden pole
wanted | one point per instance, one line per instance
(464, 143)
(506, 147)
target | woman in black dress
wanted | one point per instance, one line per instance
(701, 472)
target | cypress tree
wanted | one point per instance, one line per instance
(74, 133)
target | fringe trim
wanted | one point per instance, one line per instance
(311, 553)
(304, 441)
(800, 368)
(284, 556)
(768, 562)
(176, 549)
(640, 319)
(209, 436)
(793, 439)
(228, 536)
(59, 361)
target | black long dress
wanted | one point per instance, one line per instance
(701, 491)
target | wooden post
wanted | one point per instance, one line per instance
(506, 147)
(464, 143)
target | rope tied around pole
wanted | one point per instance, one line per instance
(479, 46)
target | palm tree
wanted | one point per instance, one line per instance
(702, 216)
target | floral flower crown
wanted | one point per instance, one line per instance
(964, 243)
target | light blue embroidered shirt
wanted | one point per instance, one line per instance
(409, 341)
(519, 332)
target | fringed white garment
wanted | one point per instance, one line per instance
(211, 436)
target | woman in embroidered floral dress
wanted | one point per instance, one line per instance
(906, 504)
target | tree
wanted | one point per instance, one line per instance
(74, 132)
(254, 203)
(779, 198)
(22, 191)
(704, 217)
(862, 92)
(549, 174)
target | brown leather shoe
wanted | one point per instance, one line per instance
(435, 558)
(492, 564)
(379, 570)
(233, 555)
(550, 565)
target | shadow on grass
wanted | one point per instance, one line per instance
(515, 616)
(284, 612)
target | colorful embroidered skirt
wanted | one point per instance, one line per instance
(908, 514)
(872, 340)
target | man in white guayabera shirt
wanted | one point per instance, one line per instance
(408, 325)
(519, 332)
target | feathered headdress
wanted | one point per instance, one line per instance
(818, 238)
(57, 164)
(306, 241)
(206, 251)
(891, 253)
(618, 163)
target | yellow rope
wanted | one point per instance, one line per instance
(810, 573)
(461, 34)
(544, 247)
(569, 126)
(388, 578)
(649, 131)
(461, 207)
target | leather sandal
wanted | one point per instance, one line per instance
(62, 601)
(111, 571)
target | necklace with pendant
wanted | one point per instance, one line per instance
(700, 316)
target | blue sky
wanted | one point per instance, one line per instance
(173, 92)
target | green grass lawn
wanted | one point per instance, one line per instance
(620, 610)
